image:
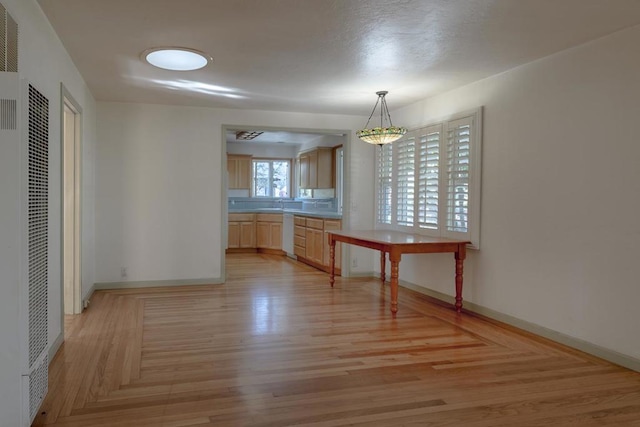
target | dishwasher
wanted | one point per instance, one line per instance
(287, 234)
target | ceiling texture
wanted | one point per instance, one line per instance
(318, 56)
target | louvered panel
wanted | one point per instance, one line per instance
(3, 38)
(12, 44)
(428, 177)
(8, 114)
(37, 150)
(385, 189)
(458, 174)
(406, 154)
(38, 386)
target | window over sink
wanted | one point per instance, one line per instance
(271, 178)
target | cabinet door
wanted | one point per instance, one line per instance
(313, 169)
(233, 232)
(332, 224)
(275, 230)
(314, 245)
(304, 171)
(247, 235)
(232, 169)
(244, 173)
(239, 169)
(325, 168)
(263, 235)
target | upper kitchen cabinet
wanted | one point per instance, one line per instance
(239, 168)
(316, 168)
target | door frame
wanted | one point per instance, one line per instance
(71, 295)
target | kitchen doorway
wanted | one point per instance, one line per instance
(71, 205)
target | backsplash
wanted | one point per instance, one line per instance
(325, 205)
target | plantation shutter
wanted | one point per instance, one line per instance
(406, 158)
(428, 176)
(458, 157)
(385, 192)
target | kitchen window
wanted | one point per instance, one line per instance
(428, 182)
(271, 178)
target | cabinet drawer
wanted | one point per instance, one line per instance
(318, 224)
(299, 220)
(299, 241)
(265, 217)
(299, 231)
(297, 250)
(242, 217)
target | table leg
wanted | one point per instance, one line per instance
(332, 255)
(383, 258)
(395, 267)
(460, 256)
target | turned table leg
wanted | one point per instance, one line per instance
(332, 255)
(382, 266)
(460, 256)
(395, 266)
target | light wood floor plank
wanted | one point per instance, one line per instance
(276, 346)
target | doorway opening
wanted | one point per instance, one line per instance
(71, 205)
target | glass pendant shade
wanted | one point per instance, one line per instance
(383, 134)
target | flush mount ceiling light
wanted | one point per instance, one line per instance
(246, 135)
(383, 134)
(176, 58)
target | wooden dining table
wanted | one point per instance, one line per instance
(395, 244)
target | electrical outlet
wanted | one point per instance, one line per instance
(123, 272)
(354, 262)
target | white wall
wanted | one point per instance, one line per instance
(560, 193)
(45, 64)
(159, 198)
(285, 151)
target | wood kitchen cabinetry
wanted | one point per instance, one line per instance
(269, 231)
(242, 231)
(316, 168)
(249, 232)
(311, 245)
(239, 168)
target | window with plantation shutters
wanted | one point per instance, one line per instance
(385, 188)
(406, 155)
(429, 181)
(428, 176)
(458, 174)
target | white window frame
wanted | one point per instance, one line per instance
(254, 178)
(474, 119)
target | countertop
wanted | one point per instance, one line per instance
(314, 214)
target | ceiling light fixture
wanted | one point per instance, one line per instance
(383, 134)
(244, 135)
(176, 58)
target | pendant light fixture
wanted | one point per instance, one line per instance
(383, 134)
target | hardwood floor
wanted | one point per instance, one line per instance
(276, 346)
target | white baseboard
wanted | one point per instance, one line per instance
(157, 283)
(55, 346)
(585, 346)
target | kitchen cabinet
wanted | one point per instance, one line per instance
(269, 231)
(316, 168)
(311, 244)
(299, 236)
(239, 169)
(241, 231)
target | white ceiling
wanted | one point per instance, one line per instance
(325, 56)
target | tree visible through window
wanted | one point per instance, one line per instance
(271, 178)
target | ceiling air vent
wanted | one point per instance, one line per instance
(245, 135)
(8, 42)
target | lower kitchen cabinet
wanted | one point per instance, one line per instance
(241, 231)
(269, 231)
(311, 244)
